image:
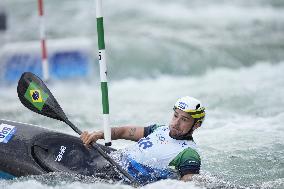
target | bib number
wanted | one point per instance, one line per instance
(145, 143)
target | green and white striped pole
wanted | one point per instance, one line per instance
(103, 72)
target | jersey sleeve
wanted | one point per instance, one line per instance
(150, 129)
(187, 162)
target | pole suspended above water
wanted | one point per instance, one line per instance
(103, 72)
(45, 69)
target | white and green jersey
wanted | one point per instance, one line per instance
(158, 150)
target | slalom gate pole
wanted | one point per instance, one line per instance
(45, 69)
(103, 72)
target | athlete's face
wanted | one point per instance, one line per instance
(180, 124)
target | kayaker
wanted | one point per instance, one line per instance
(160, 150)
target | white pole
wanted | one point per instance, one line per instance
(103, 72)
(45, 69)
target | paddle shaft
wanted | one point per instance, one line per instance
(105, 155)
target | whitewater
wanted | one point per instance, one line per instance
(227, 54)
(241, 141)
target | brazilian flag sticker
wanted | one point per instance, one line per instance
(36, 95)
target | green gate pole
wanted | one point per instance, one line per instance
(103, 72)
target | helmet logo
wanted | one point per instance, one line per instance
(197, 106)
(182, 105)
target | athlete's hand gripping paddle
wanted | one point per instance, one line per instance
(34, 95)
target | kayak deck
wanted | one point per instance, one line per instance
(32, 150)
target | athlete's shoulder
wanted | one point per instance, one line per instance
(187, 162)
(151, 128)
(190, 153)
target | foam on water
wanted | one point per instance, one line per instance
(227, 54)
(241, 141)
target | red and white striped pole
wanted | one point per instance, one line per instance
(45, 70)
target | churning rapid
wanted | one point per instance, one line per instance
(227, 54)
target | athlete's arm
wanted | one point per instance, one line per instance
(188, 163)
(187, 177)
(133, 133)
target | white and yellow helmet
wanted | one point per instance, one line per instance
(192, 106)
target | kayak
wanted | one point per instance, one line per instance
(29, 150)
(26, 150)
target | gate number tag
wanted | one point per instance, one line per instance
(6, 132)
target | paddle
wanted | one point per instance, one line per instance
(34, 94)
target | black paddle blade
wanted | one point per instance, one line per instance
(34, 95)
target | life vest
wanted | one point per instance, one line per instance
(149, 158)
